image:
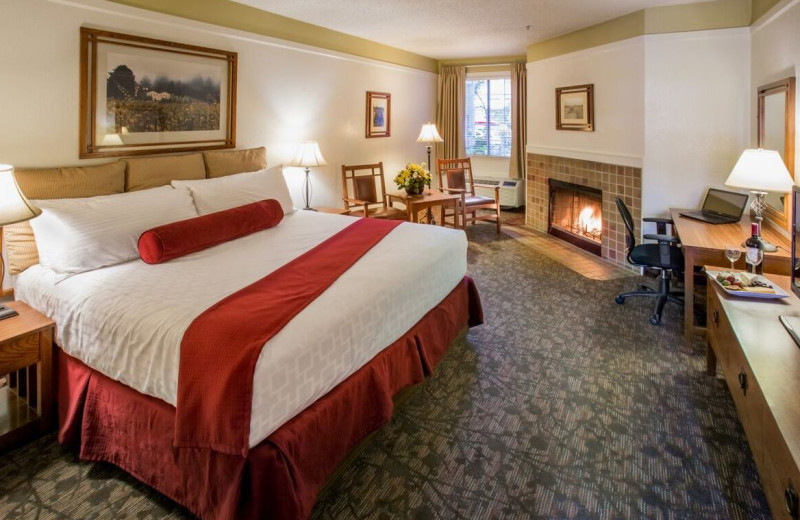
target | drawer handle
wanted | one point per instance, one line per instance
(743, 382)
(715, 317)
(790, 495)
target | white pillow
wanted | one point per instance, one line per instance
(211, 195)
(78, 235)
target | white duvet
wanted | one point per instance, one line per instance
(127, 321)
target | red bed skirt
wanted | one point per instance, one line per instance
(280, 477)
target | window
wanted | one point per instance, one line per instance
(487, 121)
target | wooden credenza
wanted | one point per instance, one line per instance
(761, 365)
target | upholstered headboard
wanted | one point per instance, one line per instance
(117, 177)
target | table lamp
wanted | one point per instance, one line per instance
(429, 135)
(14, 208)
(307, 156)
(760, 171)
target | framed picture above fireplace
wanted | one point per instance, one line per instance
(575, 108)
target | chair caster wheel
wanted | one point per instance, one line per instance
(620, 300)
(655, 319)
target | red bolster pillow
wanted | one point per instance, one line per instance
(163, 243)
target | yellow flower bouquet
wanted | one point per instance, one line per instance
(413, 178)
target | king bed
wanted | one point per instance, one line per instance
(322, 382)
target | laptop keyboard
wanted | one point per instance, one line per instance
(715, 218)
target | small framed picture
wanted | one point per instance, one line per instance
(575, 108)
(379, 114)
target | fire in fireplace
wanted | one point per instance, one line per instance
(576, 215)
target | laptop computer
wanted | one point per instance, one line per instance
(720, 207)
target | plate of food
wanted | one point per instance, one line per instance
(747, 285)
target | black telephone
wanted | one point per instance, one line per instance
(7, 312)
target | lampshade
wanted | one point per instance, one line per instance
(14, 207)
(429, 134)
(308, 155)
(761, 170)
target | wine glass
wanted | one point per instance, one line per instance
(733, 252)
(754, 257)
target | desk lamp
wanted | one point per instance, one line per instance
(760, 171)
(429, 135)
(307, 156)
(14, 208)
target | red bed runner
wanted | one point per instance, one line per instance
(220, 348)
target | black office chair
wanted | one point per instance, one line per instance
(664, 256)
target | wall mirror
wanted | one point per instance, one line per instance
(776, 132)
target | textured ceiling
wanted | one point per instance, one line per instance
(452, 29)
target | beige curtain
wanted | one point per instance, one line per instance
(519, 111)
(450, 112)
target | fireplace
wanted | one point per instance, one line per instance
(576, 215)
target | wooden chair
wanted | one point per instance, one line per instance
(455, 176)
(363, 182)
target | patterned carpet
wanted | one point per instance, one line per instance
(564, 405)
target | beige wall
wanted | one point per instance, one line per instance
(617, 72)
(696, 92)
(776, 55)
(674, 104)
(287, 92)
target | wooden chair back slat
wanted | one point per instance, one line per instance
(364, 188)
(456, 178)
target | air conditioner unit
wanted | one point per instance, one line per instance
(512, 191)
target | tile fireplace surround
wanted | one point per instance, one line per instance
(614, 180)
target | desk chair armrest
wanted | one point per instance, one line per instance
(453, 190)
(662, 238)
(665, 244)
(661, 224)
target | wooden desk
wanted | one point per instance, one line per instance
(427, 200)
(704, 244)
(761, 365)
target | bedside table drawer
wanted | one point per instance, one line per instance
(19, 354)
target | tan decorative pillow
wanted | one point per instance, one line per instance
(72, 182)
(151, 172)
(229, 162)
(56, 183)
(20, 247)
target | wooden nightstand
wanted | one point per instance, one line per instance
(26, 361)
(336, 211)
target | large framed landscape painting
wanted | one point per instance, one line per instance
(575, 108)
(142, 96)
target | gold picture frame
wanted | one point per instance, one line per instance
(141, 96)
(575, 108)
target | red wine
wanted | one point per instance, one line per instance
(753, 254)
